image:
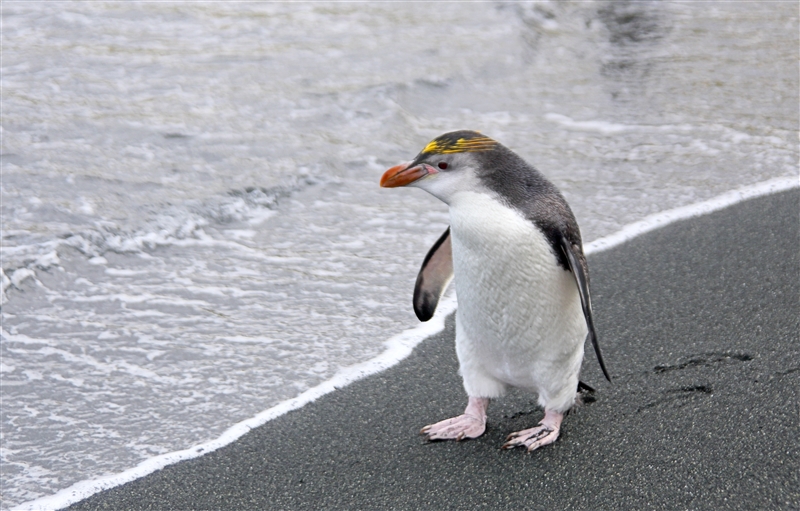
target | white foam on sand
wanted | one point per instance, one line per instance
(397, 348)
(664, 218)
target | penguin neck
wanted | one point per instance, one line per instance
(466, 199)
(481, 212)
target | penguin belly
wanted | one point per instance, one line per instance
(519, 320)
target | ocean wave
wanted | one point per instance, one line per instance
(174, 224)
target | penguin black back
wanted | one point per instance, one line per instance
(524, 188)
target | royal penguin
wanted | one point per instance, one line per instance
(514, 249)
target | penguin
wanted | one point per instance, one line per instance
(514, 249)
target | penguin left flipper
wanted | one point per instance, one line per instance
(434, 276)
(579, 271)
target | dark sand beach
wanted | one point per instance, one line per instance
(699, 322)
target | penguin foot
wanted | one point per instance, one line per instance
(457, 428)
(471, 424)
(544, 434)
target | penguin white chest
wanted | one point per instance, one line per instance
(519, 314)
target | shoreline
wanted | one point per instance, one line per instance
(398, 349)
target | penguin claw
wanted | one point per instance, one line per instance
(532, 438)
(545, 433)
(471, 424)
(457, 428)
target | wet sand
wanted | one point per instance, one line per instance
(700, 328)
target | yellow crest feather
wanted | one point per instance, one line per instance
(460, 145)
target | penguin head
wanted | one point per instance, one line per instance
(449, 164)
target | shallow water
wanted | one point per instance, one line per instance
(192, 229)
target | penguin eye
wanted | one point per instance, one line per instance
(442, 165)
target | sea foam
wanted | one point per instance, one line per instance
(397, 348)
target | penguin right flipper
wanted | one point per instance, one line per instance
(579, 271)
(433, 278)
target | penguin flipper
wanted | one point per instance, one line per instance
(578, 269)
(433, 278)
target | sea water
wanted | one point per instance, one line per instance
(192, 230)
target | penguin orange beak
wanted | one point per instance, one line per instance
(401, 175)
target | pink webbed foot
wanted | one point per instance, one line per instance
(471, 424)
(544, 434)
(457, 428)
